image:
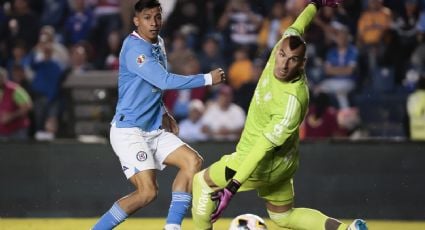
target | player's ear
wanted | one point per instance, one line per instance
(136, 20)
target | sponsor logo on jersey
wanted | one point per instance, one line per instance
(140, 59)
(141, 156)
(201, 207)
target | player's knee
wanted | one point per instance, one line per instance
(146, 195)
(195, 163)
(280, 218)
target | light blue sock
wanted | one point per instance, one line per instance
(180, 203)
(111, 218)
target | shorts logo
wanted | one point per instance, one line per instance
(140, 59)
(141, 156)
(124, 168)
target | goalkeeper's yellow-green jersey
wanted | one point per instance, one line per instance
(269, 143)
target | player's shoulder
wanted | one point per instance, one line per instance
(136, 43)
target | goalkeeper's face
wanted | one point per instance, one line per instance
(290, 58)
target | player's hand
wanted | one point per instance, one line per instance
(223, 197)
(169, 124)
(218, 76)
(330, 3)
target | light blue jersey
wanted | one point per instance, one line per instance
(142, 77)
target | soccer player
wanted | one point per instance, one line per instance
(266, 156)
(143, 134)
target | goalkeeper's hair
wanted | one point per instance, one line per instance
(146, 4)
(295, 42)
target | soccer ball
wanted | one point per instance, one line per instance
(248, 222)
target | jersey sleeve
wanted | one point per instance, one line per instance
(302, 21)
(145, 65)
(256, 154)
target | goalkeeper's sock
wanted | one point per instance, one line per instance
(304, 218)
(180, 203)
(111, 218)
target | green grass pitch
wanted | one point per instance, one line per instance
(157, 223)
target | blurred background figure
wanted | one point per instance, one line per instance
(45, 89)
(59, 52)
(240, 25)
(78, 24)
(244, 94)
(373, 21)
(273, 27)
(240, 69)
(15, 105)
(416, 111)
(340, 66)
(177, 101)
(223, 119)
(191, 127)
(211, 55)
(321, 120)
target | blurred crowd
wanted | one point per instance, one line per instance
(366, 47)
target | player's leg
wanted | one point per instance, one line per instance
(279, 203)
(138, 164)
(204, 183)
(172, 151)
(146, 192)
(189, 162)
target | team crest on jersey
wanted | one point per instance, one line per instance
(141, 59)
(141, 156)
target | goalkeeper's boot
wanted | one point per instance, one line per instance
(358, 224)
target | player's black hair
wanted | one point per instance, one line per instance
(146, 4)
(295, 42)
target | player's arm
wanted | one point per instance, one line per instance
(146, 66)
(304, 19)
(168, 122)
(283, 124)
(281, 127)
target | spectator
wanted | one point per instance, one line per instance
(241, 25)
(191, 127)
(59, 52)
(272, 28)
(416, 111)
(54, 13)
(211, 55)
(19, 76)
(79, 24)
(245, 93)
(45, 90)
(371, 25)
(223, 120)
(15, 105)
(22, 25)
(189, 18)
(107, 18)
(405, 25)
(20, 56)
(80, 54)
(340, 66)
(109, 59)
(321, 120)
(240, 69)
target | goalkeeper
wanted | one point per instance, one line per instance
(266, 156)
